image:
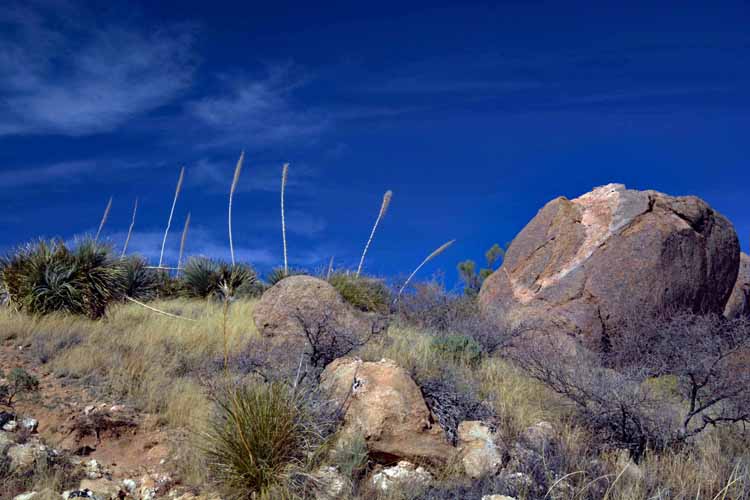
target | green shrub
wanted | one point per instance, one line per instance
(47, 277)
(261, 435)
(278, 274)
(458, 348)
(204, 277)
(366, 294)
(141, 283)
(18, 382)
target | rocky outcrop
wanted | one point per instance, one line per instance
(303, 298)
(580, 266)
(739, 302)
(480, 454)
(382, 403)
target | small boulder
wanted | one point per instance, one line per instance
(739, 302)
(538, 436)
(403, 473)
(23, 457)
(382, 403)
(479, 453)
(279, 310)
(330, 484)
(10, 426)
(102, 489)
(29, 424)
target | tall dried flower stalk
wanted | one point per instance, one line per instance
(235, 181)
(130, 229)
(182, 242)
(284, 172)
(330, 269)
(104, 219)
(434, 254)
(383, 209)
(171, 213)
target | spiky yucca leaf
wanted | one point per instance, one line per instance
(204, 277)
(46, 277)
(141, 283)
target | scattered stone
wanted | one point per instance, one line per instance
(29, 424)
(129, 485)
(26, 496)
(383, 404)
(330, 484)
(581, 266)
(102, 489)
(404, 473)
(93, 469)
(89, 409)
(79, 494)
(10, 426)
(479, 453)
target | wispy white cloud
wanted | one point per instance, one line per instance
(217, 176)
(59, 76)
(65, 172)
(257, 111)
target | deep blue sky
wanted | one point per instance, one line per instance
(475, 114)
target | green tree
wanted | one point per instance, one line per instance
(467, 270)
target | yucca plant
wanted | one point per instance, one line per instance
(204, 277)
(141, 283)
(261, 436)
(46, 277)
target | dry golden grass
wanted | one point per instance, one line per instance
(154, 361)
(138, 354)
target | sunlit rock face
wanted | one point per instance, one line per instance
(582, 265)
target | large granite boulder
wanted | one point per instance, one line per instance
(739, 302)
(383, 404)
(582, 265)
(293, 300)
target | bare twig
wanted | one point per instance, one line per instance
(131, 299)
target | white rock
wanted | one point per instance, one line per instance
(331, 484)
(404, 472)
(130, 485)
(26, 496)
(93, 469)
(10, 426)
(29, 424)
